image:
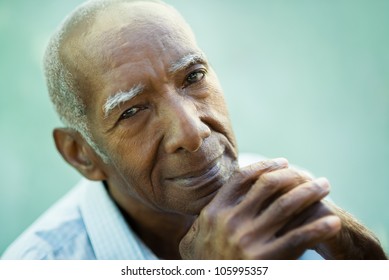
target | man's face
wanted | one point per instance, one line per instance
(158, 112)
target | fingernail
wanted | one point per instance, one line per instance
(281, 161)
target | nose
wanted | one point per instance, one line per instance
(185, 130)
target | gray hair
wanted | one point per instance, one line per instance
(63, 87)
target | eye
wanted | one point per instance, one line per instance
(194, 77)
(131, 112)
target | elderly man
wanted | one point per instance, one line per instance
(147, 125)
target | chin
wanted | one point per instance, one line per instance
(190, 196)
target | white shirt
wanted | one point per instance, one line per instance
(85, 224)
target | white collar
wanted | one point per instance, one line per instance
(109, 233)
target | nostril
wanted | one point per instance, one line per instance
(184, 128)
(181, 140)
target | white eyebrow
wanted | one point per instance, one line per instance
(120, 97)
(186, 61)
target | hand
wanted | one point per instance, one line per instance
(256, 215)
(353, 242)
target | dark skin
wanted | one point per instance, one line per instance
(172, 165)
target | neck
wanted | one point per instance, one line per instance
(160, 231)
(163, 233)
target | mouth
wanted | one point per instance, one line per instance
(213, 173)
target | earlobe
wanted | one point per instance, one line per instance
(78, 154)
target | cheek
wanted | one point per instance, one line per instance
(133, 161)
(215, 112)
(215, 101)
(219, 105)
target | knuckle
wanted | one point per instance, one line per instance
(282, 206)
(265, 165)
(315, 189)
(263, 185)
(224, 218)
(268, 179)
(296, 241)
(229, 221)
(262, 166)
(240, 175)
(300, 178)
(243, 240)
(208, 215)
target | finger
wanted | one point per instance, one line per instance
(293, 244)
(241, 180)
(268, 188)
(290, 204)
(187, 243)
(311, 213)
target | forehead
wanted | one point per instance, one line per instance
(138, 30)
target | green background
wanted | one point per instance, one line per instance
(306, 80)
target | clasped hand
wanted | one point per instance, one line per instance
(265, 211)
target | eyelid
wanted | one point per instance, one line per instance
(195, 67)
(138, 107)
(202, 70)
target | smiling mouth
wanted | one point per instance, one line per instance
(213, 173)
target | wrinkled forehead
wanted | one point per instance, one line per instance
(144, 24)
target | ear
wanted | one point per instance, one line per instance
(77, 152)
